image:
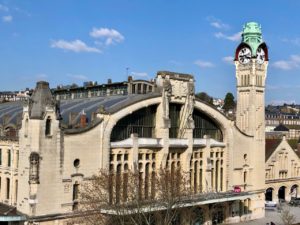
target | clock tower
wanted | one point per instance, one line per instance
(251, 61)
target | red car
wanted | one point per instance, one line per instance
(237, 189)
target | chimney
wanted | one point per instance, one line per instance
(42, 85)
(109, 81)
(41, 98)
(129, 79)
(82, 119)
(72, 116)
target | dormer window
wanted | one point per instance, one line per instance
(48, 126)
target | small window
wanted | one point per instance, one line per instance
(26, 128)
(119, 157)
(34, 167)
(75, 191)
(76, 163)
(7, 188)
(140, 156)
(111, 157)
(48, 126)
(153, 156)
(126, 157)
(8, 158)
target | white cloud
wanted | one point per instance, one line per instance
(272, 87)
(74, 46)
(41, 76)
(78, 77)
(295, 41)
(139, 74)
(204, 64)
(295, 58)
(283, 64)
(22, 11)
(110, 36)
(7, 19)
(228, 59)
(234, 37)
(4, 8)
(217, 23)
(175, 62)
(292, 63)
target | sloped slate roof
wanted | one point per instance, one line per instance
(281, 127)
(271, 145)
(12, 110)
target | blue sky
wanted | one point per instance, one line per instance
(64, 41)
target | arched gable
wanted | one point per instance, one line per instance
(115, 117)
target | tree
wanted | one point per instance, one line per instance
(131, 199)
(229, 103)
(205, 97)
(287, 217)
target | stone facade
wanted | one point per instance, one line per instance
(282, 170)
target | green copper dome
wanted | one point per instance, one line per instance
(252, 36)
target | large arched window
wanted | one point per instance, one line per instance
(141, 122)
(205, 126)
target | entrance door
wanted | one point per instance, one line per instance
(294, 191)
(269, 194)
(281, 193)
(217, 217)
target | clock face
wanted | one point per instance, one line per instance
(260, 56)
(244, 55)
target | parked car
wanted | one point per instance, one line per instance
(237, 189)
(295, 201)
(270, 204)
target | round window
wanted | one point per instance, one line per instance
(76, 163)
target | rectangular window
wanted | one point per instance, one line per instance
(8, 158)
(140, 156)
(16, 190)
(75, 191)
(0, 156)
(153, 156)
(119, 157)
(7, 188)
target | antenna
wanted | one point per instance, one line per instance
(127, 69)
